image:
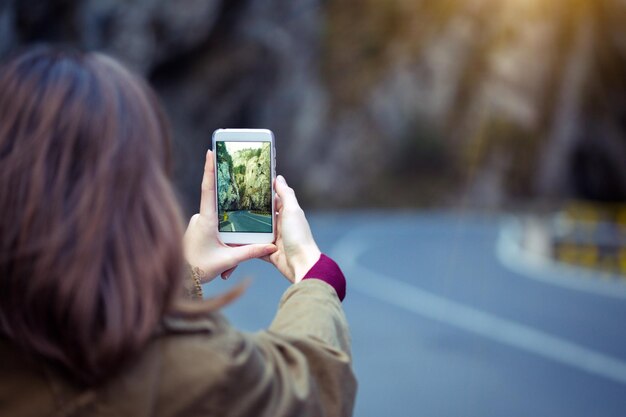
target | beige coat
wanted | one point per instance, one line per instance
(300, 367)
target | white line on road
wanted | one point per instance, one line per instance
(260, 221)
(232, 227)
(490, 326)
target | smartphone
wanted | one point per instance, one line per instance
(245, 168)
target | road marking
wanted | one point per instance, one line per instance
(511, 255)
(416, 300)
(232, 225)
(260, 221)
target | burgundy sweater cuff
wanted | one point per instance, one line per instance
(327, 270)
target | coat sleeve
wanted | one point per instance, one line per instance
(301, 366)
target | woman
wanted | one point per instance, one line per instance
(93, 316)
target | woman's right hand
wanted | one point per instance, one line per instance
(297, 251)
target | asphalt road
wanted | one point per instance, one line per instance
(443, 326)
(245, 221)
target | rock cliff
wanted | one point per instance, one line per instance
(252, 172)
(479, 101)
(228, 192)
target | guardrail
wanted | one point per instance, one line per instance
(591, 235)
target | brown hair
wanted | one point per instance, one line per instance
(90, 232)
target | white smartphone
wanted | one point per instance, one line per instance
(245, 168)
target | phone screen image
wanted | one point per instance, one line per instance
(244, 186)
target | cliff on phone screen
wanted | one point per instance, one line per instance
(244, 187)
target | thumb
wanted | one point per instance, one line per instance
(286, 193)
(246, 252)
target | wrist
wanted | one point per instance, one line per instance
(327, 270)
(304, 263)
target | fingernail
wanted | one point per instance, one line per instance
(226, 276)
(282, 179)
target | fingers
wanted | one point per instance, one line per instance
(226, 274)
(278, 203)
(207, 197)
(193, 219)
(287, 197)
(244, 253)
(278, 206)
(273, 258)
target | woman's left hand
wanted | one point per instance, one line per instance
(204, 250)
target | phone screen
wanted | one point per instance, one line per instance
(244, 186)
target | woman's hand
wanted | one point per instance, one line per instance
(297, 251)
(204, 250)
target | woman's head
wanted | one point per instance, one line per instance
(90, 231)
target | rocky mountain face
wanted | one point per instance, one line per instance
(518, 100)
(478, 102)
(252, 174)
(244, 179)
(227, 189)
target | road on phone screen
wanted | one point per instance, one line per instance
(246, 221)
(442, 325)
